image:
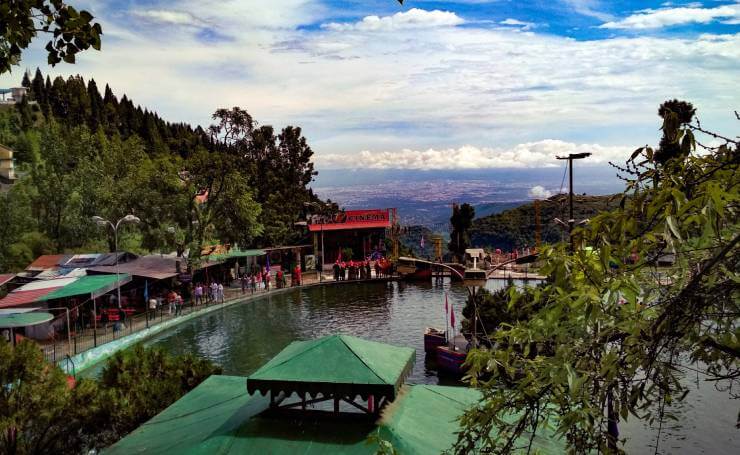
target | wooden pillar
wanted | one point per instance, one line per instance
(336, 404)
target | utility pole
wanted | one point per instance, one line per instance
(571, 220)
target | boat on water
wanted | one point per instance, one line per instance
(434, 337)
(450, 359)
(412, 270)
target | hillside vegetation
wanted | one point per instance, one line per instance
(82, 153)
(515, 228)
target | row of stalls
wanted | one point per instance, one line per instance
(79, 288)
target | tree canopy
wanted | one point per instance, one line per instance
(80, 154)
(621, 329)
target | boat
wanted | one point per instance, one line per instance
(412, 270)
(434, 337)
(450, 359)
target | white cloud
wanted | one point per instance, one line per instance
(539, 192)
(414, 18)
(172, 17)
(666, 17)
(529, 155)
(412, 88)
(517, 23)
(590, 8)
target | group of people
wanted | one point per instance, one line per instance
(262, 279)
(360, 270)
(209, 293)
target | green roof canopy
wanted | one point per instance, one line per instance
(219, 417)
(96, 285)
(234, 253)
(12, 321)
(340, 365)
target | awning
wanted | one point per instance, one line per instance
(233, 253)
(33, 291)
(15, 320)
(94, 285)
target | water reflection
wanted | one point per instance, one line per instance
(243, 337)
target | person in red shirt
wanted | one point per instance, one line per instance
(297, 275)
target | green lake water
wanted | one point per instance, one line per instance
(244, 336)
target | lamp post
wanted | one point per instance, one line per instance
(102, 222)
(571, 220)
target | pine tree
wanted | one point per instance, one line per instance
(38, 91)
(26, 80)
(97, 109)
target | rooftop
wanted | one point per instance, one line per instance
(338, 364)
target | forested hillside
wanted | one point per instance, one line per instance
(81, 153)
(515, 228)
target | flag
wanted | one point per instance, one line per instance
(452, 318)
(268, 263)
(146, 292)
(447, 308)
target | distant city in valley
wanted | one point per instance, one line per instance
(425, 197)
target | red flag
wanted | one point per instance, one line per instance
(447, 310)
(452, 318)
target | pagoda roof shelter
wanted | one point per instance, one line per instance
(336, 368)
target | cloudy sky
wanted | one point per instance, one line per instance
(427, 85)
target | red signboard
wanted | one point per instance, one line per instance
(355, 219)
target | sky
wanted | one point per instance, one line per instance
(465, 84)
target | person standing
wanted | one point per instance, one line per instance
(214, 292)
(198, 294)
(221, 293)
(253, 282)
(244, 283)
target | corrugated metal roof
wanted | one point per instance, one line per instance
(17, 298)
(46, 262)
(154, 266)
(47, 284)
(4, 278)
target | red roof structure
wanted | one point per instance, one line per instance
(18, 298)
(356, 219)
(46, 262)
(5, 277)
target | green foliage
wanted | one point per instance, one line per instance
(139, 383)
(515, 228)
(71, 31)
(621, 331)
(347, 254)
(494, 309)
(40, 413)
(461, 221)
(83, 154)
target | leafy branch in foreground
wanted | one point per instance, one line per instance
(71, 31)
(619, 331)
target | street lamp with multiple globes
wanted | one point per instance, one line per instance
(102, 222)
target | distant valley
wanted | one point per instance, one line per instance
(425, 197)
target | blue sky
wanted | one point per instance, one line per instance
(464, 84)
